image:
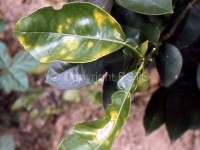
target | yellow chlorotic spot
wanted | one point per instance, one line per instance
(99, 17)
(22, 41)
(68, 20)
(117, 34)
(90, 44)
(45, 59)
(112, 20)
(107, 142)
(63, 51)
(60, 28)
(114, 115)
(69, 58)
(103, 132)
(67, 27)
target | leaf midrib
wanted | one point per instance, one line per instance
(120, 110)
(124, 43)
(80, 36)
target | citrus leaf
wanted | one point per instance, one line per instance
(182, 107)
(104, 4)
(198, 76)
(155, 111)
(100, 134)
(128, 81)
(151, 32)
(7, 143)
(5, 59)
(169, 63)
(143, 82)
(149, 7)
(24, 62)
(70, 35)
(70, 76)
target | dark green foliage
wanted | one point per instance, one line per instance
(91, 43)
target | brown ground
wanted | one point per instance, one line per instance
(41, 135)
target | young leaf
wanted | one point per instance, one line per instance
(100, 134)
(198, 76)
(169, 63)
(143, 82)
(5, 59)
(104, 4)
(7, 143)
(70, 35)
(24, 62)
(149, 7)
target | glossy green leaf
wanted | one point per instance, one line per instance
(14, 80)
(104, 4)
(190, 31)
(183, 105)
(128, 82)
(156, 111)
(136, 26)
(100, 134)
(149, 7)
(70, 76)
(151, 32)
(198, 76)
(169, 64)
(24, 62)
(129, 51)
(144, 47)
(5, 59)
(70, 35)
(143, 82)
(7, 142)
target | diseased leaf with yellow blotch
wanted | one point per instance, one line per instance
(100, 134)
(79, 32)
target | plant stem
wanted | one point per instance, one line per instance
(179, 20)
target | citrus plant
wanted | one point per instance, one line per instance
(90, 39)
